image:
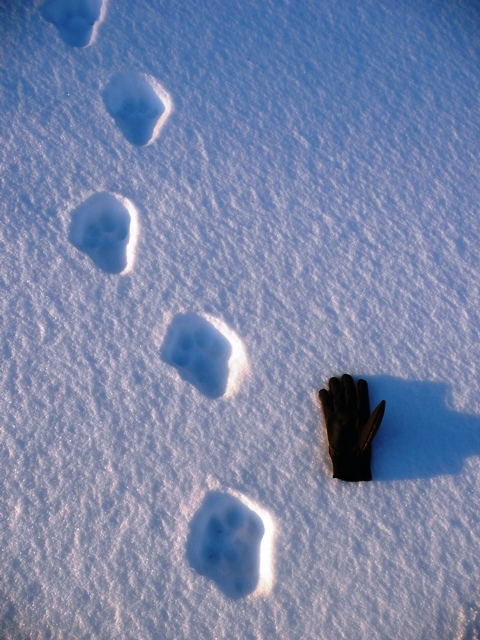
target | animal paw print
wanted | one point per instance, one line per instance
(139, 106)
(200, 352)
(224, 544)
(75, 20)
(105, 228)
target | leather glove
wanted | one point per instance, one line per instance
(350, 427)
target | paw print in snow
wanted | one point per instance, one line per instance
(205, 353)
(105, 228)
(139, 106)
(225, 544)
(75, 20)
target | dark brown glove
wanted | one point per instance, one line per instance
(350, 427)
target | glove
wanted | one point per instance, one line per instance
(350, 427)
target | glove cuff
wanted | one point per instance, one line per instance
(351, 468)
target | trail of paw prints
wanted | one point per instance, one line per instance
(206, 353)
(139, 106)
(230, 543)
(105, 227)
(75, 20)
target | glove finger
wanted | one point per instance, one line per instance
(350, 393)
(368, 432)
(363, 402)
(327, 404)
(338, 395)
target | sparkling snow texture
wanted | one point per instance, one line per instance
(312, 193)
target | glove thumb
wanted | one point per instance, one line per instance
(368, 432)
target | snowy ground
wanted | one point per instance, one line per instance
(208, 209)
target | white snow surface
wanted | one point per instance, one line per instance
(316, 190)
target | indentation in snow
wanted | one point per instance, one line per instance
(230, 542)
(139, 105)
(75, 20)
(105, 227)
(205, 353)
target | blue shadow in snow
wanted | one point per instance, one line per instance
(224, 544)
(420, 437)
(199, 352)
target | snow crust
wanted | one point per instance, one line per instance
(313, 197)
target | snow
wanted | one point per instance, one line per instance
(306, 191)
